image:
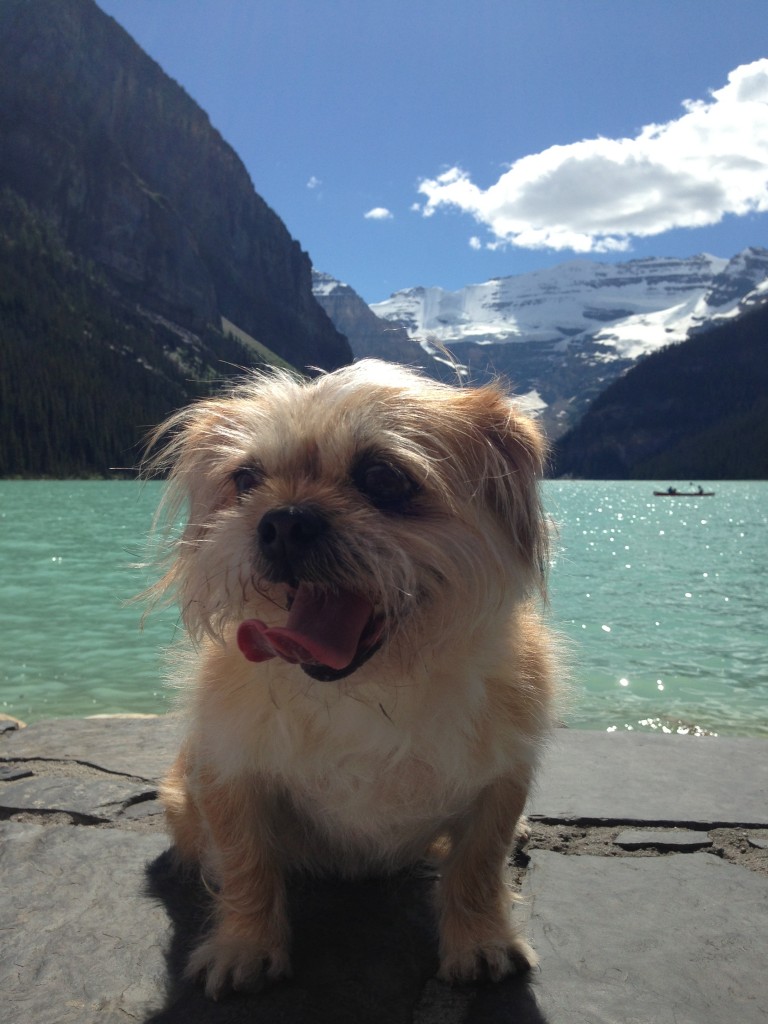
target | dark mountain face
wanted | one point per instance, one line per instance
(698, 410)
(84, 375)
(121, 160)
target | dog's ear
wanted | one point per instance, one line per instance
(515, 461)
(188, 449)
(193, 450)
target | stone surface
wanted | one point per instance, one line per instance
(633, 778)
(99, 799)
(673, 940)
(80, 940)
(140, 747)
(96, 924)
(672, 839)
(8, 774)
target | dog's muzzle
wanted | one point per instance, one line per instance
(331, 631)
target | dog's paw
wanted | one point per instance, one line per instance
(231, 964)
(487, 961)
(522, 832)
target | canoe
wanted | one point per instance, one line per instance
(683, 494)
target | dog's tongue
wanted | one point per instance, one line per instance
(322, 628)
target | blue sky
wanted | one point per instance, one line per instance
(416, 142)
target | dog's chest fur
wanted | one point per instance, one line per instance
(379, 805)
(352, 768)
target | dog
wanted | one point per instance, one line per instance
(361, 575)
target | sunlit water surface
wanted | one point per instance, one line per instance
(661, 600)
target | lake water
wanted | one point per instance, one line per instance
(662, 601)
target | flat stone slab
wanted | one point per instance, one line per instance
(140, 747)
(672, 940)
(630, 778)
(681, 840)
(81, 941)
(96, 926)
(96, 799)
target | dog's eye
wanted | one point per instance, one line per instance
(386, 486)
(245, 480)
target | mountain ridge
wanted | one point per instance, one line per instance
(562, 334)
(551, 304)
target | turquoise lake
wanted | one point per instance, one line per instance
(662, 603)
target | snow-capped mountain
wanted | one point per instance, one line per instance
(561, 335)
(631, 308)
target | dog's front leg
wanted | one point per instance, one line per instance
(249, 941)
(477, 937)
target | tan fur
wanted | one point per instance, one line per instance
(430, 743)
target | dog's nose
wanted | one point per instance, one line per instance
(286, 536)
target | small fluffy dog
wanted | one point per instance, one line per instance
(359, 572)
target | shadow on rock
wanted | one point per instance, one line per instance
(362, 951)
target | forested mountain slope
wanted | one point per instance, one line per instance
(696, 410)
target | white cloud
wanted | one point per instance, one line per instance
(314, 182)
(597, 194)
(378, 213)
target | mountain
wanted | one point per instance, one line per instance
(369, 335)
(83, 375)
(119, 193)
(623, 305)
(692, 411)
(562, 335)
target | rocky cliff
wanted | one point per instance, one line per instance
(355, 319)
(369, 335)
(96, 137)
